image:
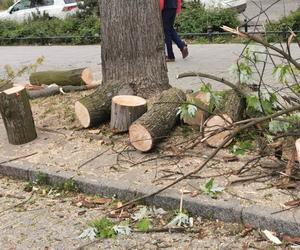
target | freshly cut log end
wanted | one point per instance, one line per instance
(82, 114)
(140, 138)
(125, 109)
(129, 100)
(212, 126)
(17, 116)
(158, 121)
(297, 143)
(87, 76)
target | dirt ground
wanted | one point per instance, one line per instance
(46, 219)
(63, 146)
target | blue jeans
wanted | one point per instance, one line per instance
(168, 17)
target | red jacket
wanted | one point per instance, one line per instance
(162, 3)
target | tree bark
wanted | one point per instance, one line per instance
(157, 122)
(75, 77)
(17, 116)
(125, 109)
(95, 108)
(55, 90)
(132, 46)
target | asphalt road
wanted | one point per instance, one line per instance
(214, 59)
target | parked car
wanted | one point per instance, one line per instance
(24, 9)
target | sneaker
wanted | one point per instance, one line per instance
(185, 52)
(170, 59)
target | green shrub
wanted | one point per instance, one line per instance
(82, 30)
(292, 21)
(4, 4)
(194, 18)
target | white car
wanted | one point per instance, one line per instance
(23, 9)
(240, 5)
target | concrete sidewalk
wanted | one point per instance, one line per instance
(59, 155)
(214, 59)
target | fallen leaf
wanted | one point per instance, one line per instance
(293, 203)
(230, 158)
(271, 237)
(101, 201)
(195, 193)
(119, 204)
(82, 212)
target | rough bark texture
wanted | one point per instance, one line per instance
(95, 108)
(5, 85)
(17, 116)
(132, 46)
(233, 105)
(125, 110)
(157, 122)
(55, 90)
(75, 77)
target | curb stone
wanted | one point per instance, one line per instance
(287, 222)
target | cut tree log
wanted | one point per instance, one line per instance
(125, 109)
(95, 108)
(157, 122)
(17, 116)
(297, 144)
(74, 77)
(202, 101)
(214, 130)
(55, 90)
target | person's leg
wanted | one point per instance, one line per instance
(167, 25)
(175, 37)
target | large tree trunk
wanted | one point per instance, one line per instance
(157, 122)
(132, 53)
(17, 116)
(132, 46)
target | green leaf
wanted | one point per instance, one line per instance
(104, 228)
(276, 126)
(144, 224)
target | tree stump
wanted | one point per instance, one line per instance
(125, 109)
(95, 108)
(17, 116)
(157, 122)
(75, 77)
(213, 130)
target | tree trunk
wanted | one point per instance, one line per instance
(95, 108)
(55, 90)
(157, 122)
(132, 46)
(75, 77)
(17, 116)
(125, 109)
